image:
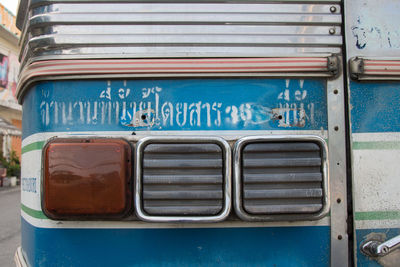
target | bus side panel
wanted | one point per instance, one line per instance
(375, 121)
(264, 246)
(73, 108)
(372, 33)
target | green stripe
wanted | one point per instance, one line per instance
(34, 146)
(376, 145)
(377, 215)
(38, 214)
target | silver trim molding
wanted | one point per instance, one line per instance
(237, 173)
(368, 69)
(226, 150)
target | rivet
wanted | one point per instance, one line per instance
(332, 31)
(333, 9)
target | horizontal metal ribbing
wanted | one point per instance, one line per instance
(282, 147)
(182, 148)
(283, 193)
(179, 194)
(374, 69)
(181, 179)
(138, 30)
(316, 7)
(182, 163)
(282, 178)
(195, 30)
(281, 163)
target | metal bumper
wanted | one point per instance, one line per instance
(19, 258)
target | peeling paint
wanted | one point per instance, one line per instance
(375, 34)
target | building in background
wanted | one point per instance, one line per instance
(10, 110)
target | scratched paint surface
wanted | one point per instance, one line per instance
(367, 33)
(375, 122)
(192, 104)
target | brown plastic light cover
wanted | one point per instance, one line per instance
(87, 178)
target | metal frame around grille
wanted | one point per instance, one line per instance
(227, 184)
(238, 186)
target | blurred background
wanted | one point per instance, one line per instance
(10, 134)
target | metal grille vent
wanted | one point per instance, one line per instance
(183, 180)
(283, 180)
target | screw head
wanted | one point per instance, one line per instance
(332, 31)
(333, 9)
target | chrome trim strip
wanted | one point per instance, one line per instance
(141, 144)
(337, 171)
(19, 258)
(237, 181)
(368, 69)
(214, 67)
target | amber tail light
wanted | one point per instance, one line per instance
(87, 178)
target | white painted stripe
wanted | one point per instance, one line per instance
(31, 168)
(374, 224)
(381, 136)
(43, 223)
(376, 180)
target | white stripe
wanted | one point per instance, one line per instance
(376, 137)
(374, 224)
(146, 225)
(376, 180)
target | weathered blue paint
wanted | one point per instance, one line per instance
(361, 235)
(375, 107)
(185, 104)
(274, 246)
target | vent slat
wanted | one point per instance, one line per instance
(184, 210)
(284, 162)
(281, 177)
(182, 148)
(183, 203)
(195, 194)
(182, 179)
(281, 147)
(277, 209)
(283, 193)
(182, 163)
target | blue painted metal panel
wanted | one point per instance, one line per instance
(375, 107)
(185, 104)
(274, 246)
(361, 234)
